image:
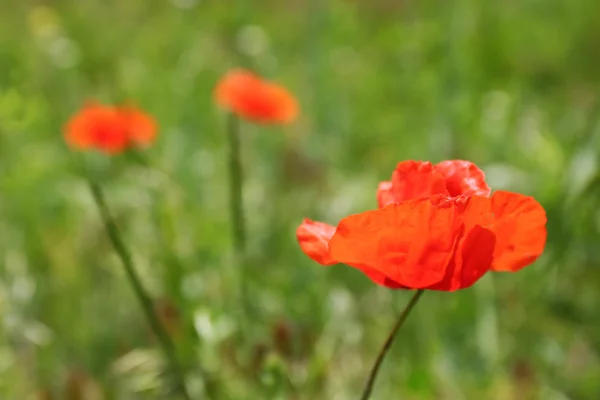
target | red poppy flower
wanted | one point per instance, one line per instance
(255, 99)
(438, 229)
(109, 129)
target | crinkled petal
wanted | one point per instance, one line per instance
(384, 194)
(520, 228)
(411, 243)
(416, 179)
(472, 259)
(463, 178)
(313, 237)
(472, 256)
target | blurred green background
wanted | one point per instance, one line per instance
(512, 85)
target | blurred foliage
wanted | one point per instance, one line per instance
(512, 85)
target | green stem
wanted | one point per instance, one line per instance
(145, 301)
(388, 344)
(236, 209)
(236, 183)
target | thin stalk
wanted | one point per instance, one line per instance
(236, 208)
(236, 184)
(145, 301)
(388, 344)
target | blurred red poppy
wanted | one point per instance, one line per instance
(109, 129)
(438, 228)
(255, 99)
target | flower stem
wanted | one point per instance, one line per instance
(236, 207)
(236, 183)
(388, 344)
(145, 301)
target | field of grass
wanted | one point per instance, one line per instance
(512, 85)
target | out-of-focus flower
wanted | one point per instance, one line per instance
(283, 338)
(438, 229)
(110, 129)
(255, 99)
(169, 315)
(44, 394)
(81, 386)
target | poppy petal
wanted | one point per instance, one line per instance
(378, 277)
(384, 194)
(520, 227)
(463, 178)
(283, 106)
(141, 127)
(472, 256)
(313, 237)
(411, 243)
(416, 179)
(472, 259)
(78, 133)
(475, 253)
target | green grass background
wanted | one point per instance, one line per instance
(512, 85)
